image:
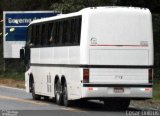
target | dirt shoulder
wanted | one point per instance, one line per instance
(146, 104)
(12, 83)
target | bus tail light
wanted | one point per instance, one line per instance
(150, 75)
(85, 75)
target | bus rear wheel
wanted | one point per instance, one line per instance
(58, 93)
(65, 95)
(34, 96)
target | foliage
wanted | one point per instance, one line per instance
(12, 75)
(156, 86)
(66, 6)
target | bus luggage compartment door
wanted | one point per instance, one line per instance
(119, 57)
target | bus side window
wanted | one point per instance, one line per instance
(61, 33)
(79, 20)
(43, 35)
(49, 38)
(40, 35)
(77, 28)
(72, 32)
(37, 38)
(29, 35)
(46, 34)
(33, 36)
(53, 34)
(75, 31)
(66, 32)
(57, 33)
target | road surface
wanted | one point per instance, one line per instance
(16, 102)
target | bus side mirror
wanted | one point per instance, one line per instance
(22, 54)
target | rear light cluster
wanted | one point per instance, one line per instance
(150, 75)
(85, 75)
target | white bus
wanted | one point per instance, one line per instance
(102, 53)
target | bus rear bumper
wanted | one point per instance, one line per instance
(114, 92)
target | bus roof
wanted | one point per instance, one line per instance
(93, 10)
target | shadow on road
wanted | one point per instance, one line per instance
(92, 105)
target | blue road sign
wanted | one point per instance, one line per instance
(19, 21)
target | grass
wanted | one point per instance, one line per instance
(12, 75)
(13, 79)
(156, 90)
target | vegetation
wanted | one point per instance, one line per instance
(156, 93)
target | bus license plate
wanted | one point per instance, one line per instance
(118, 90)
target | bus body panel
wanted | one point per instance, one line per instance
(57, 55)
(27, 77)
(121, 30)
(49, 63)
(118, 76)
(123, 56)
(108, 92)
(46, 88)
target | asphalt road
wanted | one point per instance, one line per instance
(16, 102)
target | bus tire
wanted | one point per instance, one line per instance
(34, 96)
(65, 95)
(58, 92)
(117, 104)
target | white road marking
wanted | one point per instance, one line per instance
(12, 88)
(23, 100)
(73, 109)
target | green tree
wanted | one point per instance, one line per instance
(66, 6)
